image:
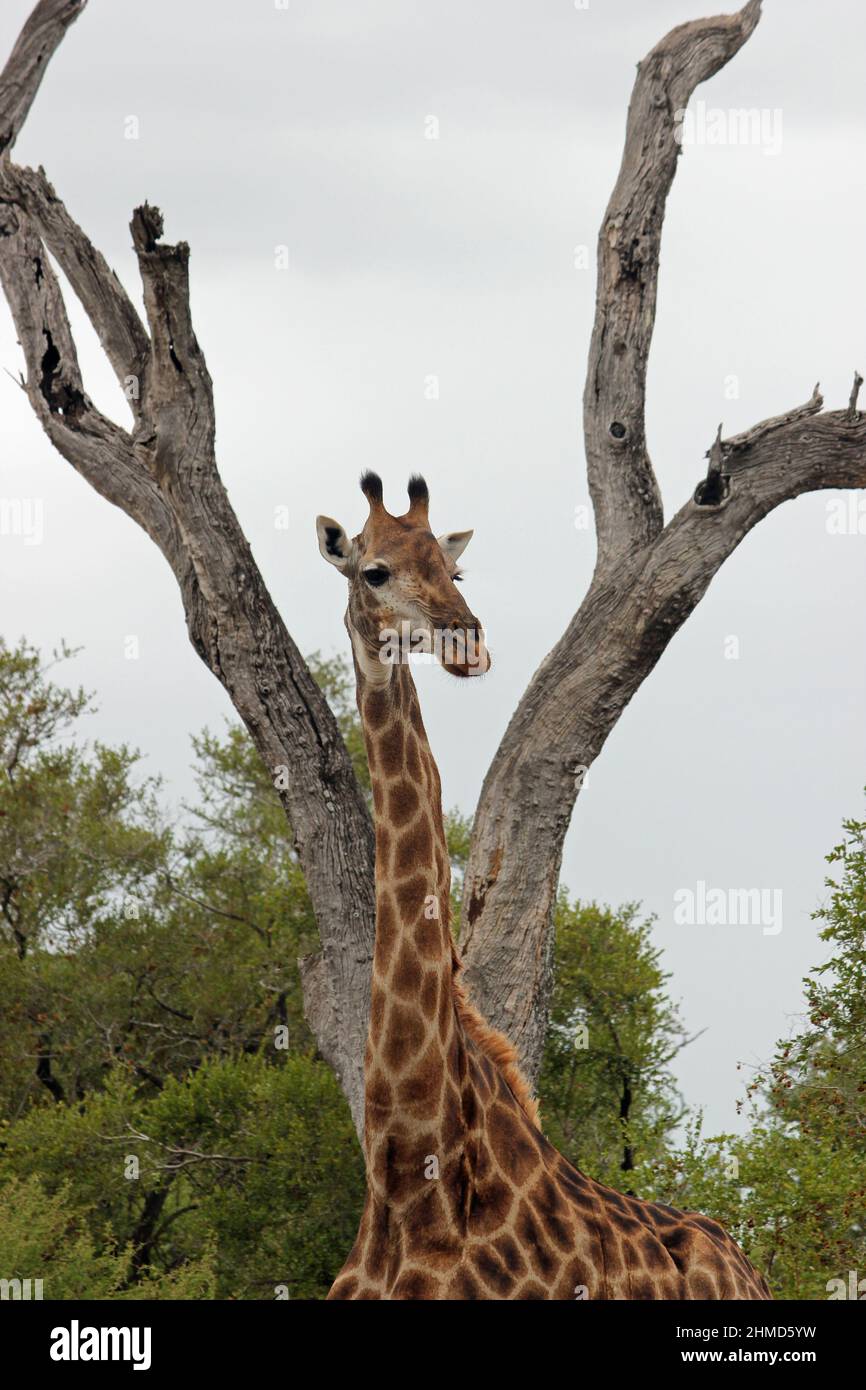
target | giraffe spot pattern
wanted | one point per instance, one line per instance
(501, 1214)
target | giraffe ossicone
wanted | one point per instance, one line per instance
(465, 1199)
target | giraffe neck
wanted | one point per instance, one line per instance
(415, 1056)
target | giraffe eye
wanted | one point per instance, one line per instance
(375, 576)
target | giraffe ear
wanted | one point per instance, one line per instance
(333, 541)
(455, 542)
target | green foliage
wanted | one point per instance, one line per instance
(44, 1236)
(793, 1190)
(794, 1203)
(283, 1184)
(73, 827)
(608, 1097)
(151, 1019)
(458, 838)
(244, 1169)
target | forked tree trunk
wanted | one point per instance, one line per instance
(649, 576)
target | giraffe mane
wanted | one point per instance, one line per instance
(495, 1046)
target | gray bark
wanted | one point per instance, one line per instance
(649, 576)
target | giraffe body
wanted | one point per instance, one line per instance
(466, 1199)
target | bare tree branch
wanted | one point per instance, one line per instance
(97, 447)
(20, 79)
(647, 580)
(104, 299)
(622, 484)
(165, 476)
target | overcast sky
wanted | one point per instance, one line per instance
(306, 127)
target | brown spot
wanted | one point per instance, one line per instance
(611, 1249)
(532, 1291)
(578, 1273)
(402, 802)
(403, 1037)
(383, 849)
(580, 1196)
(378, 1004)
(701, 1286)
(391, 750)
(394, 1172)
(414, 848)
(514, 1150)
(532, 1240)
(452, 1119)
(376, 709)
(429, 996)
(446, 1013)
(406, 979)
(411, 759)
(551, 1210)
(481, 1073)
(492, 1270)
(665, 1216)
(386, 929)
(455, 1064)
(428, 938)
(410, 900)
(414, 1283)
(712, 1228)
(653, 1254)
(470, 1108)
(626, 1224)
(491, 1204)
(377, 1248)
(422, 1088)
(431, 772)
(464, 1286)
(428, 1235)
(510, 1253)
(547, 1197)
(378, 1091)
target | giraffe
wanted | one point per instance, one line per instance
(465, 1197)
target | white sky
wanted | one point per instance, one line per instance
(408, 257)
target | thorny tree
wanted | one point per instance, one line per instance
(648, 578)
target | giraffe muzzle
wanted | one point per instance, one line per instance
(462, 649)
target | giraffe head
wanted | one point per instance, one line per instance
(403, 586)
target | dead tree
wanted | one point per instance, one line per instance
(162, 471)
